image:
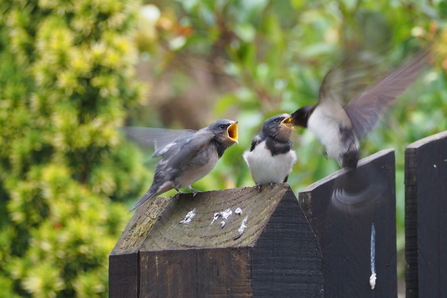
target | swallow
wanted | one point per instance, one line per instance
(340, 127)
(190, 157)
(271, 157)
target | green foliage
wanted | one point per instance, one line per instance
(67, 77)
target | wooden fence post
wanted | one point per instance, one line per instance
(243, 242)
(353, 214)
(426, 217)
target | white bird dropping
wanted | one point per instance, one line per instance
(373, 277)
(227, 213)
(242, 227)
(189, 217)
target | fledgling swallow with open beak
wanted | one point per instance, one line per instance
(190, 158)
(271, 157)
(340, 127)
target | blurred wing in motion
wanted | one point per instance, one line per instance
(364, 110)
(156, 138)
(354, 192)
(342, 83)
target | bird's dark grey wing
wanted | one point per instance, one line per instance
(182, 150)
(364, 110)
(156, 138)
(256, 140)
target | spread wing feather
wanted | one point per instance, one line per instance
(364, 110)
(156, 138)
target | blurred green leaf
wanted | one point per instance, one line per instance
(67, 75)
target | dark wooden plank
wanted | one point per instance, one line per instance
(219, 272)
(124, 276)
(426, 217)
(344, 228)
(287, 260)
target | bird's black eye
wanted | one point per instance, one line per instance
(276, 120)
(222, 126)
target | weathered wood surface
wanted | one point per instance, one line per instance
(203, 231)
(241, 242)
(344, 228)
(426, 217)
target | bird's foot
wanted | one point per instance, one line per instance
(179, 192)
(272, 185)
(258, 186)
(195, 191)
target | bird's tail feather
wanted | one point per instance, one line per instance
(153, 191)
(147, 196)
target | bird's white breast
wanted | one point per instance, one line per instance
(325, 123)
(266, 168)
(326, 128)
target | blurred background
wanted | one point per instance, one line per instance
(71, 72)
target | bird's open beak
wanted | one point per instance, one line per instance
(288, 122)
(232, 132)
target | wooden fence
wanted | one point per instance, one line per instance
(426, 217)
(337, 240)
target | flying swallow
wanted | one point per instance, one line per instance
(340, 127)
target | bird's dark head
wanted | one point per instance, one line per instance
(278, 127)
(300, 116)
(225, 131)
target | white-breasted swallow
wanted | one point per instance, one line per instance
(339, 127)
(271, 157)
